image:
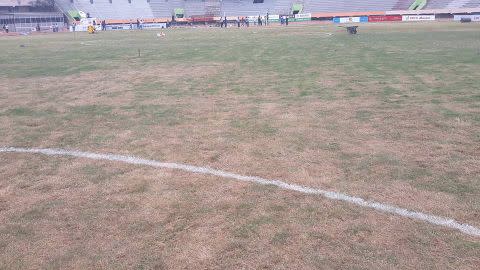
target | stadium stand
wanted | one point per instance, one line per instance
(368, 5)
(106, 9)
(122, 9)
(26, 22)
(148, 9)
(247, 8)
(452, 4)
(213, 7)
(438, 4)
(324, 6)
(472, 4)
(194, 7)
(164, 8)
(283, 7)
(24, 16)
(457, 4)
(349, 6)
(402, 4)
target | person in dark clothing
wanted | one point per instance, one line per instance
(286, 20)
(104, 25)
(259, 20)
(266, 19)
(138, 24)
(37, 28)
(225, 22)
(238, 22)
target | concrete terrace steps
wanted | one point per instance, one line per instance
(247, 8)
(213, 7)
(121, 9)
(402, 4)
(283, 7)
(457, 4)
(349, 5)
(164, 9)
(437, 4)
(194, 7)
(103, 9)
(472, 4)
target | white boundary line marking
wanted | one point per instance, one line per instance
(387, 208)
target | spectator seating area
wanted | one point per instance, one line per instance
(133, 9)
(109, 9)
(443, 4)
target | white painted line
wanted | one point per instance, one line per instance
(436, 220)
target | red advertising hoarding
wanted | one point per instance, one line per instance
(201, 18)
(385, 18)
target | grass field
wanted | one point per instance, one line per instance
(392, 115)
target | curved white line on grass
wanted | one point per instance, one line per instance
(436, 220)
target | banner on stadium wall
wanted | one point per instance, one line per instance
(273, 18)
(350, 19)
(385, 18)
(303, 17)
(120, 26)
(474, 18)
(154, 25)
(83, 28)
(416, 18)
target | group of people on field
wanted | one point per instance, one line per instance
(284, 20)
(240, 22)
(245, 21)
(138, 23)
(103, 25)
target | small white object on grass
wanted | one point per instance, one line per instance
(161, 34)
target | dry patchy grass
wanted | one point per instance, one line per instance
(377, 121)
